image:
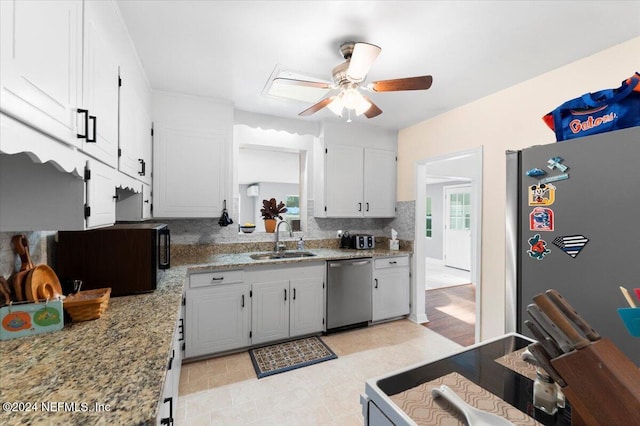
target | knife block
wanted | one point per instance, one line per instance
(603, 385)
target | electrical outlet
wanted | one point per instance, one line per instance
(339, 234)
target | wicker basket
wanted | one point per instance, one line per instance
(86, 305)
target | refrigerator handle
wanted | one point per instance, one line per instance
(512, 251)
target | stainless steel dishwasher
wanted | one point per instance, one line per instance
(348, 293)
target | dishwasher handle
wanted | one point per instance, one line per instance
(341, 264)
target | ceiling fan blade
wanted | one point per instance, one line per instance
(373, 110)
(411, 83)
(363, 56)
(317, 107)
(306, 83)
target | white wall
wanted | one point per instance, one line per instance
(510, 119)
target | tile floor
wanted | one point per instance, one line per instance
(225, 390)
(438, 276)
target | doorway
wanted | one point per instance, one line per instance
(465, 169)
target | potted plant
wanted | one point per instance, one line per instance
(271, 210)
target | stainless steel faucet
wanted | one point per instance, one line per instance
(279, 246)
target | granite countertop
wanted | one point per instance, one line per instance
(112, 370)
(120, 359)
(208, 262)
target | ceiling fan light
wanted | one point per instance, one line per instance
(351, 98)
(336, 105)
(363, 106)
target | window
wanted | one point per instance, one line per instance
(429, 219)
(460, 211)
(293, 207)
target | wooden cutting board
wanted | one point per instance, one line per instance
(18, 280)
(42, 283)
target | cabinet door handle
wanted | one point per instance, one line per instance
(367, 206)
(143, 166)
(376, 281)
(294, 293)
(242, 301)
(285, 294)
(393, 262)
(95, 127)
(359, 207)
(181, 329)
(168, 420)
(86, 123)
(217, 278)
(173, 354)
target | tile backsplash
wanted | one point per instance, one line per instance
(40, 249)
(207, 231)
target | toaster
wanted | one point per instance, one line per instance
(362, 242)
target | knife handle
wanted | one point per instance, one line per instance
(558, 318)
(572, 314)
(544, 361)
(547, 343)
(544, 323)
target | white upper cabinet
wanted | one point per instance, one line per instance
(60, 105)
(191, 154)
(360, 172)
(380, 171)
(41, 64)
(135, 131)
(98, 113)
(344, 181)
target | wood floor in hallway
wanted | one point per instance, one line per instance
(452, 313)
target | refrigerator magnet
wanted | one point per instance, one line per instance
(542, 194)
(555, 178)
(571, 244)
(537, 247)
(556, 163)
(541, 219)
(536, 172)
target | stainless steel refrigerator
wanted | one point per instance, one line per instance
(576, 228)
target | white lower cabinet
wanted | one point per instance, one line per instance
(218, 316)
(287, 301)
(306, 309)
(234, 309)
(390, 295)
(269, 311)
(169, 399)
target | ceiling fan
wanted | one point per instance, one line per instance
(348, 77)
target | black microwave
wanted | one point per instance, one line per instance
(130, 257)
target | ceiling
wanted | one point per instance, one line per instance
(228, 49)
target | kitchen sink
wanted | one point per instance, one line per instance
(281, 255)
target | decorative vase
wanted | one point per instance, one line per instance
(270, 225)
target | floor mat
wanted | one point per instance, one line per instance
(274, 359)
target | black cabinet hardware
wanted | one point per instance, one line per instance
(94, 120)
(376, 281)
(86, 123)
(143, 167)
(242, 301)
(168, 420)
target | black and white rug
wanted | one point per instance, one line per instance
(274, 359)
